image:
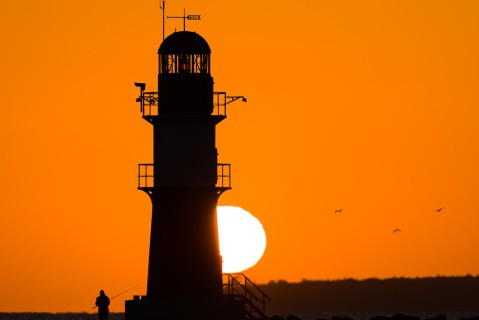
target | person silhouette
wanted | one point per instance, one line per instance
(102, 302)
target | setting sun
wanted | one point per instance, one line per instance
(242, 238)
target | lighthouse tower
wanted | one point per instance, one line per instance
(184, 251)
(184, 183)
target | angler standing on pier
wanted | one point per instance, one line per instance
(102, 302)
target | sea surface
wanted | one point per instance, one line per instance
(57, 316)
(364, 316)
(121, 316)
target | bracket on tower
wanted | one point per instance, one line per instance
(220, 100)
(230, 99)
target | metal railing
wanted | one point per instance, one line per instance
(149, 103)
(223, 174)
(146, 177)
(219, 104)
(240, 285)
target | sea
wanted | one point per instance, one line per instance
(121, 316)
(57, 316)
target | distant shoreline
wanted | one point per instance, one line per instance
(429, 296)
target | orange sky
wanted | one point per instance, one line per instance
(367, 106)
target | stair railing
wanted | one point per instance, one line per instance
(239, 284)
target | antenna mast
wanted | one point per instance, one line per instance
(162, 7)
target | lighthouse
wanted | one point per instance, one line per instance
(184, 251)
(184, 183)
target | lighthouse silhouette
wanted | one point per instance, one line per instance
(184, 183)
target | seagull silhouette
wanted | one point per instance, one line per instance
(396, 230)
(439, 210)
(338, 210)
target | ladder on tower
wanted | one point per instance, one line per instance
(242, 288)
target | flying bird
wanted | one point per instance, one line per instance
(338, 210)
(396, 230)
(439, 210)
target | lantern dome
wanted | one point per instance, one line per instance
(184, 42)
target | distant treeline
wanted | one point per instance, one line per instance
(432, 295)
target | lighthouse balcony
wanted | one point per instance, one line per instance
(150, 108)
(146, 177)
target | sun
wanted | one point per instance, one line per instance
(242, 238)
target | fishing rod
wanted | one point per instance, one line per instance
(119, 294)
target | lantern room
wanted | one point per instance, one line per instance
(185, 85)
(184, 53)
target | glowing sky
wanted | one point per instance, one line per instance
(367, 106)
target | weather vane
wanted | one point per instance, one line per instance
(186, 17)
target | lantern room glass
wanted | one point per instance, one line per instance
(184, 63)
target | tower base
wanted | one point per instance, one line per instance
(185, 308)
